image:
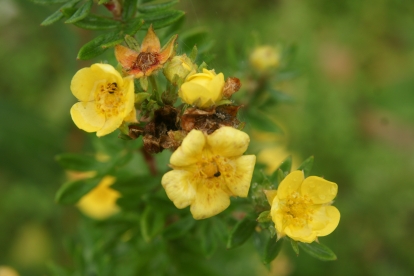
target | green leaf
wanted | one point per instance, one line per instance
(57, 15)
(72, 191)
(193, 54)
(264, 216)
(81, 13)
(179, 228)
(209, 237)
(279, 96)
(241, 232)
(151, 223)
(277, 177)
(132, 43)
(318, 250)
(306, 166)
(144, 83)
(94, 22)
(156, 6)
(272, 249)
(134, 25)
(286, 165)
(161, 19)
(129, 8)
(94, 47)
(78, 162)
(295, 246)
(48, 2)
(260, 121)
(194, 37)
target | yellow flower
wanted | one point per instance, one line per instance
(100, 203)
(150, 57)
(8, 271)
(208, 169)
(180, 66)
(265, 57)
(301, 208)
(106, 99)
(203, 89)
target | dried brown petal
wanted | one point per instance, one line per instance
(231, 86)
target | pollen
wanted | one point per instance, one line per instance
(109, 99)
(297, 209)
(145, 61)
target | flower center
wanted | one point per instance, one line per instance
(145, 60)
(108, 99)
(209, 169)
(296, 209)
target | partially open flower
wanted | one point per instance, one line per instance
(265, 57)
(149, 58)
(180, 66)
(106, 99)
(301, 208)
(100, 203)
(208, 169)
(203, 89)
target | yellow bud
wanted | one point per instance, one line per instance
(203, 89)
(180, 66)
(265, 57)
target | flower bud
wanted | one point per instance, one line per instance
(203, 89)
(264, 58)
(180, 66)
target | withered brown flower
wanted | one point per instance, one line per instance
(149, 58)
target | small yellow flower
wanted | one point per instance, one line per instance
(208, 169)
(106, 99)
(100, 202)
(7, 271)
(265, 57)
(150, 57)
(301, 208)
(180, 66)
(203, 89)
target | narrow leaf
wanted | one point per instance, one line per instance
(193, 54)
(94, 47)
(94, 22)
(318, 251)
(72, 191)
(279, 96)
(132, 43)
(134, 25)
(286, 165)
(81, 13)
(241, 232)
(129, 8)
(48, 2)
(272, 249)
(179, 228)
(156, 6)
(260, 121)
(306, 166)
(57, 15)
(78, 162)
(161, 19)
(295, 246)
(151, 223)
(264, 216)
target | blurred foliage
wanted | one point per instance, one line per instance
(352, 110)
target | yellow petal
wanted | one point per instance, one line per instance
(290, 184)
(239, 183)
(131, 117)
(329, 217)
(125, 56)
(85, 117)
(84, 84)
(209, 201)
(190, 150)
(100, 202)
(167, 50)
(111, 124)
(270, 195)
(178, 186)
(193, 92)
(129, 95)
(216, 87)
(302, 234)
(108, 73)
(151, 43)
(228, 142)
(319, 190)
(277, 215)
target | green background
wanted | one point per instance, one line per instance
(353, 111)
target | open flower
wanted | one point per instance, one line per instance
(149, 58)
(208, 169)
(100, 202)
(202, 89)
(106, 99)
(301, 208)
